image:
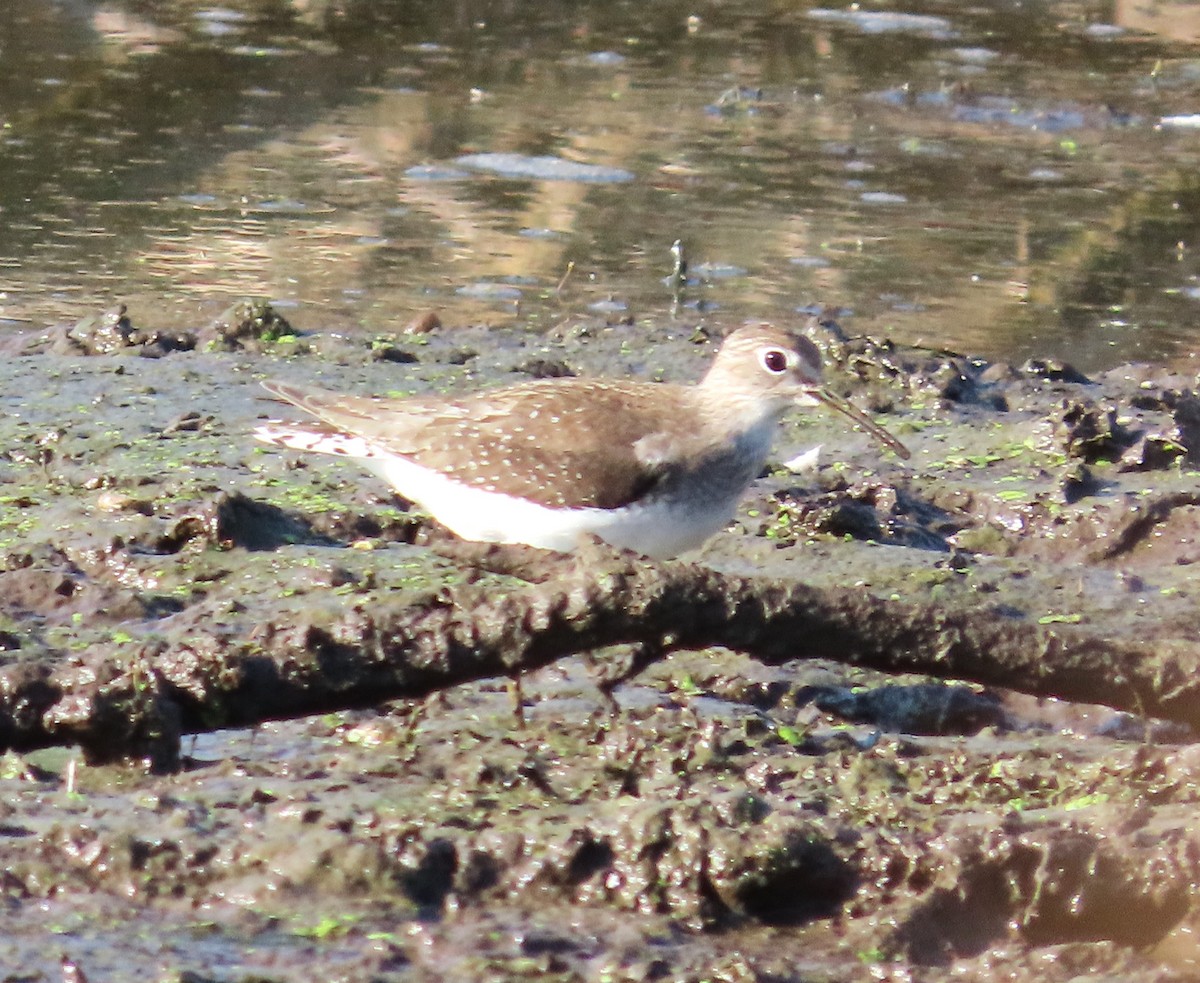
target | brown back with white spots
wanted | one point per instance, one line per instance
(579, 442)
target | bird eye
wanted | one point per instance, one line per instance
(775, 360)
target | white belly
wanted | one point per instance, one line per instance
(658, 529)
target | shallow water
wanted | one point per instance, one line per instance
(1001, 179)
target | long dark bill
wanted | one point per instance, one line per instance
(864, 421)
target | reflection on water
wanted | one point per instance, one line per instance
(990, 180)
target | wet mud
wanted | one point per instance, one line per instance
(251, 730)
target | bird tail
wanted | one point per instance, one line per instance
(314, 438)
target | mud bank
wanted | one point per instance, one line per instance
(779, 807)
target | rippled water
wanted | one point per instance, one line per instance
(1001, 179)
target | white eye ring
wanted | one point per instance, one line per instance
(775, 360)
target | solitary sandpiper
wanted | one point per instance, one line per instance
(652, 467)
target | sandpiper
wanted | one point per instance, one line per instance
(652, 467)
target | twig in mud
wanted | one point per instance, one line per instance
(565, 277)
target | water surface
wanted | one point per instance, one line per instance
(1004, 180)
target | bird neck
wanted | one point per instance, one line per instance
(733, 409)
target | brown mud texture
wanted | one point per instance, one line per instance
(902, 720)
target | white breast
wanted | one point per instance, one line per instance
(657, 529)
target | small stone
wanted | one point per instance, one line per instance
(423, 323)
(115, 501)
(188, 422)
(1054, 370)
(998, 372)
(104, 333)
(245, 323)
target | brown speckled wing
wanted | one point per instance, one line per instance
(538, 440)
